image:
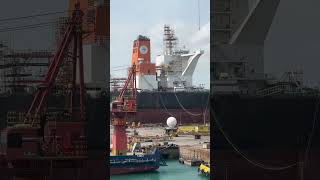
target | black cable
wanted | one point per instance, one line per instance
(30, 26)
(251, 161)
(31, 16)
(38, 25)
(311, 134)
(42, 14)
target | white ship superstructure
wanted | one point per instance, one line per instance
(175, 68)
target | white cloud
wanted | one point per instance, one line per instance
(202, 36)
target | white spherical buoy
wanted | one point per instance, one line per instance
(171, 122)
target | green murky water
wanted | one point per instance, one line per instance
(174, 171)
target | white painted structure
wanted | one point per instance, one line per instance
(176, 70)
(175, 67)
(146, 82)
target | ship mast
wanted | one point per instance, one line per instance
(169, 40)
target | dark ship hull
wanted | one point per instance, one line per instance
(153, 107)
(20, 103)
(186, 107)
(265, 137)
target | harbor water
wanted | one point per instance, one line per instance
(174, 171)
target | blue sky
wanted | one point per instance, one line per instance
(129, 18)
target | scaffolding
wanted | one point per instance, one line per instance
(95, 21)
(21, 70)
(64, 77)
(116, 84)
(60, 28)
(169, 40)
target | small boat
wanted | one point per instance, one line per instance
(136, 163)
(204, 169)
(169, 151)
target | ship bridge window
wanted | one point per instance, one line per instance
(14, 140)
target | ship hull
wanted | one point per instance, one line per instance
(135, 163)
(21, 102)
(186, 107)
(153, 107)
(265, 137)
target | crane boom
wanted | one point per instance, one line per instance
(73, 32)
(130, 80)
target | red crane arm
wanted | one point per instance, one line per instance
(131, 79)
(73, 32)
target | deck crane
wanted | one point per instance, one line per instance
(123, 109)
(44, 145)
(54, 136)
(73, 33)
